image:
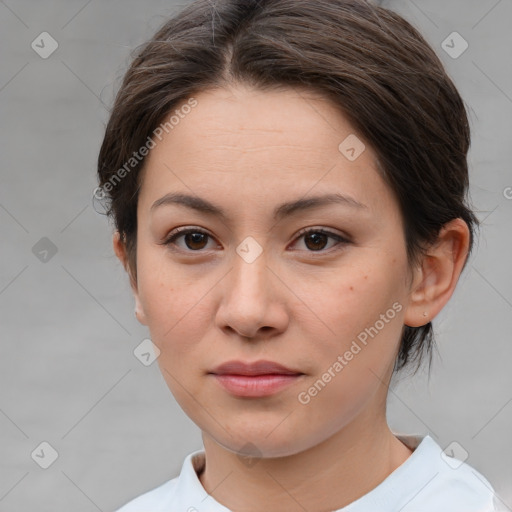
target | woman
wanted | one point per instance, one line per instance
(288, 183)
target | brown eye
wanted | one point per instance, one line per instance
(195, 239)
(316, 240)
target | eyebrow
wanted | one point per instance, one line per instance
(284, 210)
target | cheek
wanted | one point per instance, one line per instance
(365, 313)
(174, 301)
(363, 309)
(361, 293)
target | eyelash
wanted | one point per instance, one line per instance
(178, 232)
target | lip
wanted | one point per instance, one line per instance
(261, 367)
(257, 379)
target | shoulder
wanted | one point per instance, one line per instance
(175, 494)
(462, 489)
(155, 500)
(446, 483)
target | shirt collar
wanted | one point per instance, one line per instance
(190, 494)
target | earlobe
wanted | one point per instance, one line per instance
(139, 310)
(120, 250)
(437, 276)
(419, 311)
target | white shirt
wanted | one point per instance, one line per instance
(428, 481)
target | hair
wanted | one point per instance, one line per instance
(369, 61)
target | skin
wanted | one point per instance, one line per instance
(301, 303)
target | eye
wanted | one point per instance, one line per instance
(315, 239)
(195, 239)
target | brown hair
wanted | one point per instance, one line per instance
(368, 60)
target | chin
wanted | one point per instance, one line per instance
(250, 442)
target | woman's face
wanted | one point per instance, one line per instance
(250, 286)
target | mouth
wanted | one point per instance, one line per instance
(258, 379)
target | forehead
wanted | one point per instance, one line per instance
(255, 144)
(247, 119)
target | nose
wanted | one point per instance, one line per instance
(252, 300)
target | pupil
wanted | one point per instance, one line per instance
(194, 238)
(315, 237)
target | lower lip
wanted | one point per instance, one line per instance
(256, 385)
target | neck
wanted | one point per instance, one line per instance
(328, 476)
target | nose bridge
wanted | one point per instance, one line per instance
(250, 275)
(248, 296)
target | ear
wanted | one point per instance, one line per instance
(120, 250)
(435, 279)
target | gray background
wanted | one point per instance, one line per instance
(68, 375)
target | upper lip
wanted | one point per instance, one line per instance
(254, 368)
